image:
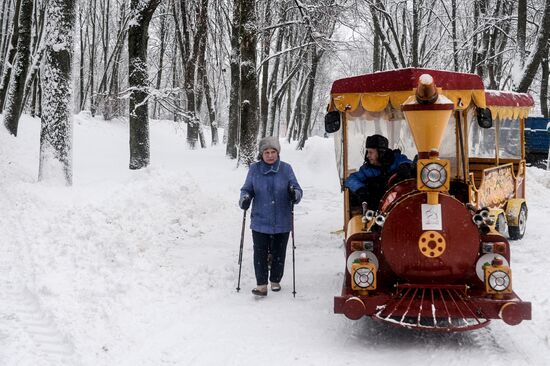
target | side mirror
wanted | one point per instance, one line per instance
(332, 121)
(484, 117)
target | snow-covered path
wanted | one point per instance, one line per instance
(140, 268)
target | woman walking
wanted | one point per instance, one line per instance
(272, 188)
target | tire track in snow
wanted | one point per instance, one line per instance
(23, 319)
(23, 322)
(39, 325)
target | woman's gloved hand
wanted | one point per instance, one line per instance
(244, 202)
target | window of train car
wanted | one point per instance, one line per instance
(447, 150)
(360, 124)
(392, 124)
(509, 142)
(481, 141)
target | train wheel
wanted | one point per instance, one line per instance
(517, 232)
(502, 225)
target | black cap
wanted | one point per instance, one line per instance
(376, 142)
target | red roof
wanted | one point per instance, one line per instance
(508, 99)
(405, 79)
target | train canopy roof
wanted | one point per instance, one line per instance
(373, 92)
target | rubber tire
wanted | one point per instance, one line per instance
(517, 232)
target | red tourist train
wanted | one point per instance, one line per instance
(434, 254)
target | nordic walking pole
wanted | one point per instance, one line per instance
(293, 249)
(241, 252)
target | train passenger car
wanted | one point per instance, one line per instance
(434, 254)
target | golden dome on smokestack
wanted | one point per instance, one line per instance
(427, 113)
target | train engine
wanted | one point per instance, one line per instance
(424, 258)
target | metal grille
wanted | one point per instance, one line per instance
(432, 307)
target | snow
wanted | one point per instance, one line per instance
(140, 267)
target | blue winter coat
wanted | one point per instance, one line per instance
(357, 180)
(268, 186)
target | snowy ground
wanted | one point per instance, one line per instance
(140, 267)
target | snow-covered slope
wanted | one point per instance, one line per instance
(140, 267)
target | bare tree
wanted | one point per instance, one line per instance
(249, 84)
(234, 95)
(56, 124)
(20, 68)
(545, 73)
(537, 53)
(138, 81)
(10, 56)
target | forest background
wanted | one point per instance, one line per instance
(254, 68)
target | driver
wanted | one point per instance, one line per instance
(371, 181)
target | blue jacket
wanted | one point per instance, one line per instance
(357, 180)
(268, 186)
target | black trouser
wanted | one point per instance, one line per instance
(269, 243)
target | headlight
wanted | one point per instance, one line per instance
(498, 277)
(499, 280)
(363, 277)
(433, 175)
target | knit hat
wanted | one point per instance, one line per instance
(376, 142)
(270, 142)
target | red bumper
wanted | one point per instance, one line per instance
(433, 307)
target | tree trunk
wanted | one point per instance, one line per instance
(483, 45)
(211, 110)
(14, 105)
(107, 115)
(304, 131)
(11, 56)
(272, 87)
(454, 35)
(56, 124)
(475, 45)
(415, 34)
(112, 60)
(537, 52)
(156, 111)
(376, 57)
(249, 84)
(4, 36)
(138, 82)
(295, 109)
(175, 77)
(266, 40)
(92, 57)
(521, 30)
(193, 123)
(382, 34)
(82, 101)
(234, 95)
(544, 84)
(34, 98)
